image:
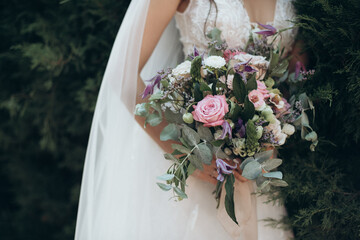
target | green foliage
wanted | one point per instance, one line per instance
(52, 59)
(323, 197)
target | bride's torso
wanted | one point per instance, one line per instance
(232, 19)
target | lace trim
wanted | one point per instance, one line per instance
(233, 21)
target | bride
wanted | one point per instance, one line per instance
(119, 198)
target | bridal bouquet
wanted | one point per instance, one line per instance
(225, 106)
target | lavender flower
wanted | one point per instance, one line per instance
(149, 90)
(226, 130)
(223, 168)
(242, 68)
(270, 30)
(299, 67)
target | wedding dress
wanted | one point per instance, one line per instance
(119, 198)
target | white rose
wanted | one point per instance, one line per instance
(288, 129)
(182, 68)
(276, 130)
(215, 61)
(258, 61)
(277, 100)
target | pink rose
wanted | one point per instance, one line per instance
(257, 98)
(229, 54)
(211, 110)
(262, 88)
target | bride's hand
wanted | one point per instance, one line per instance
(209, 174)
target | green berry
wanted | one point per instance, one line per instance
(188, 118)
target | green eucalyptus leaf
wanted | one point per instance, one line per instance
(279, 183)
(276, 174)
(239, 88)
(172, 117)
(164, 186)
(180, 148)
(252, 170)
(169, 156)
(166, 177)
(271, 164)
(153, 119)
(218, 143)
(263, 156)
(246, 161)
(142, 109)
(190, 136)
(180, 193)
(264, 185)
(190, 169)
(170, 132)
(204, 153)
(215, 35)
(219, 153)
(205, 133)
(156, 96)
(196, 162)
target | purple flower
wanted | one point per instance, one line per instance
(223, 168)
(270, 30)
(240, 126)
(242, 68)
(299, 66)
(155, 81)
(226, 130)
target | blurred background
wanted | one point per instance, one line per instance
(52, 58)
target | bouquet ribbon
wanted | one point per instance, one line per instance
(245, 211)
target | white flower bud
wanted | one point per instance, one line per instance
(227, 151)
(288, 129)
(259, 132)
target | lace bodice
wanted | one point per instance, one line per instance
(232, 20)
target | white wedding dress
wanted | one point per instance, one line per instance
(119, 198)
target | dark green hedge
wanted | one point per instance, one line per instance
(323, 199)
(52, 58)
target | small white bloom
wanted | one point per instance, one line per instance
(182, 68)
(215, 61)
(171, 78)
(288, 129)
